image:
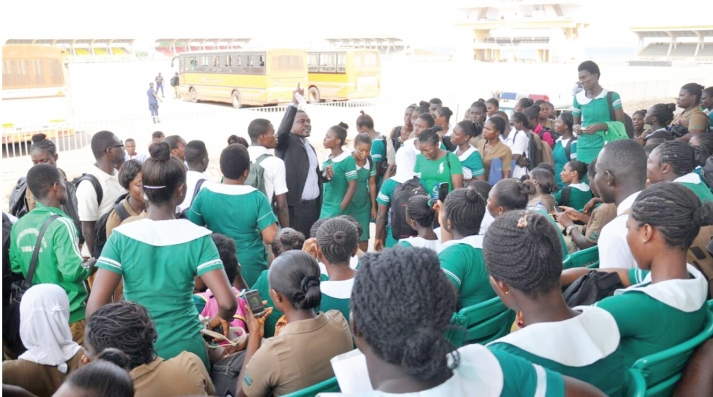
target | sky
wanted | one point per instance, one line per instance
(301, 23)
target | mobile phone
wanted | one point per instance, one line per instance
(558, 209)
(443, 191)
(255, 303)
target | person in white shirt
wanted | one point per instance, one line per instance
(621, 176)
(93, 202)
(196, 156)
(518, 142)
(131, 153)
(262, 140)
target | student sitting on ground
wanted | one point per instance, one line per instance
(420, 215)
(337, 243)
(576, 194)
(664, 220)
(582, 342)
(127, 326)
(462, 254)
(401, 329)
(299, 356)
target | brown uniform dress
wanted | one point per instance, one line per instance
(299, 357)
(40, 380)
(499, 151)
(692, 119)
(183, 375)
(601, 215)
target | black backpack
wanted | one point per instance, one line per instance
(568, 148)
(555, 136)
(403, 192)
(7, 276)
(591, 288)
(708, 172)
(182, 214)
(628, 124)
(94, 181)
(100, 226)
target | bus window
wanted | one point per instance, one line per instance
(204, 61)
(262, 61)
(342, 63)
(238, 61)
(194, 63)
(15, 74)
(328, 63)
(56, 73)
(228, 60)
(313, 62)
(216, 61)
(250, 60)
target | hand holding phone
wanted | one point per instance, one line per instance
(255, 303)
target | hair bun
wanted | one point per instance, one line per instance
(472, 196)
(362, 112)
(309, 282)
(424, 104)
(419, 351)
(115, 356)
(527, 188)
(339, 236)
(671, 107)
(38, 137)
(160, 151)
(703, 215)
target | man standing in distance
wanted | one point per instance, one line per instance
(153, 103)
(175, 84)
(159, 84)
(302, 167)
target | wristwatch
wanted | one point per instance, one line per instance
(568, 230)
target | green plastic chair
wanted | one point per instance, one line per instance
(660, 372)
(328, 386)
(481, 323)
(588, 258)
(635, 384)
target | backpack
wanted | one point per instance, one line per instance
(388, 159)
(100, 226)
(555, 136)
(256, 177)
(568, 148)
(628, 124)
(591, 288)
(95, 182)
(7, 276)
(182, 214)
(403, 192)
(18, 203)
(174, 81)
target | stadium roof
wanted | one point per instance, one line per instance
(673, 31)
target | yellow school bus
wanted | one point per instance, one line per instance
(242, 76)
(341, 74)
(35, 91)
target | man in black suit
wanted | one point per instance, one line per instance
(304, 182)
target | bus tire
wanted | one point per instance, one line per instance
(313, 95)
(237, 103)
(194, 95)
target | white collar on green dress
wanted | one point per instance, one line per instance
(582, 98)
(689, 178)
(577, 342)
(580, 186)
(339, 158)
(421, 242)
(163, 233)
(230, 190)
(685, 295)
(337, 289)
(473, 241)
(463, 157)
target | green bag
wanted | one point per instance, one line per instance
(615, 131)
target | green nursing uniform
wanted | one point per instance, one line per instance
(559, 153)
(344, 168)
(695, 183)
(462, 262)
(472, 163)
(485, 373)
(378, 154)
(655, 317)
(158, 261)
(360, 206)
(592, 111)
(584, 347)
(335, 296)
(241, 213)
(579, 196)
(421, 242)
(386, 194)
(435, 172)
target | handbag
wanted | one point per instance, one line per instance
(11, 320)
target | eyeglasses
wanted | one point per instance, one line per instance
(115, 146)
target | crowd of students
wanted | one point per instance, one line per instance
(463, 212)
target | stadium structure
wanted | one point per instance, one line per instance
(674, 43)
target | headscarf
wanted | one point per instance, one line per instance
(405, 162)
(44, 326)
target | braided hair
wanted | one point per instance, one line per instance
(513, 194)
(471, 129)
(338, 239)
(315, 227)
(408, 331)
(682, 157)
(430, 136)
(428, 119)
(522, 249)
(364, 120)
(445, 112)
(663, 112)
(674, 210)
(126, 326)
(419, 210)
(465, 209)
(161, 174)
(40, 142)
(287, 239)
(295, 274)
(354, 222)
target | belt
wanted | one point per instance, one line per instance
(306, 202)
